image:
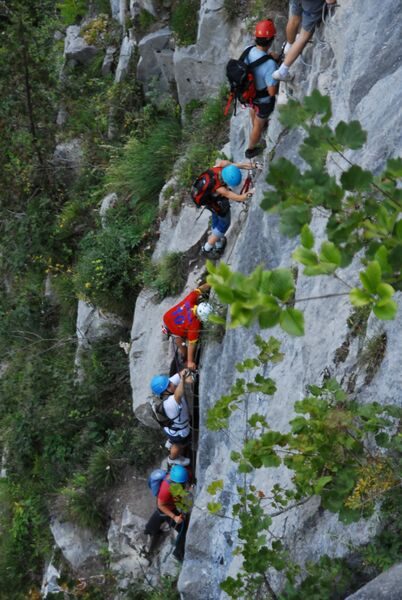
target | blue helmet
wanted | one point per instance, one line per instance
(159, 384)
(231, 175)
(178, 474)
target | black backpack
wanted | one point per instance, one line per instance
(241, 80)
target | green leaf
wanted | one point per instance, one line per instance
(317, 104)
(269, 317)
(292, 114)
(214, 507)
(307, 237)
(350, 135)
(256, 419)
(394, 167)
(305, 256)
(235, 456)
(292, 321)
(215, 486)
(395, 257)
(293, 218)
(360, 297)
(385, 291)
(282, 174)
(225, 294)
(371, 277)
(245, 467)
(217, 319)
(321, 483)
(281, 284)
(330, 253)
(385, 309)
(381, 256)
(356, 179)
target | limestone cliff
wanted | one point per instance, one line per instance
(356, 58)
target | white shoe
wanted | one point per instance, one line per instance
(279, 77)
(180, 460)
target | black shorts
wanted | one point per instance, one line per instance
(264, 109)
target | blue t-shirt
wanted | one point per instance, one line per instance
(262, 73)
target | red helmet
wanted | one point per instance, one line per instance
(265, 29)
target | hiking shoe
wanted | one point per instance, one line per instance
(281, 77)
(220, 248)
(251, 152)
(212, 254)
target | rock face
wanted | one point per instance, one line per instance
(126, 51)
(200, 69)
(77, 544)
(355, 78)
(68, 159)
(76, 48)
(387, 586)
(156, 61)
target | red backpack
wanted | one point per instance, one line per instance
(203, 188)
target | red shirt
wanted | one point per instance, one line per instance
(181, 320)
(165, 497)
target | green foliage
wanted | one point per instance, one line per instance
(373, 354)
(262, 295)
(166, 590)
(72, 11)
(206, 129)
(169, 275)
(329, 449)
(219, 414)
(328, 578)
(145, 19)
(364, 210)
(184, 21)
(109, 269)
(144, 164)
(80, 505)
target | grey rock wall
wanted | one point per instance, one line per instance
(364, 79)
(200, 68)
(387, 586)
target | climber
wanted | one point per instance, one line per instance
(167, 511)
(267, 87)
(171, 391)
(308, 13)
(184, 320)
(212, 190)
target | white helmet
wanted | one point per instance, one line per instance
(204, 310)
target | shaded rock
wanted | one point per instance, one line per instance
(156, 61)
(126, 50)
(77, 544)
(76, 48)
(137, 5)
(108, 202)
(108, 61)
(68, 158)
(200, 69)
(119, 10)
(387, 586)
(50, 581)
(127, 548)
(92, 324)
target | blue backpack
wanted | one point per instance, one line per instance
(155, 479)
